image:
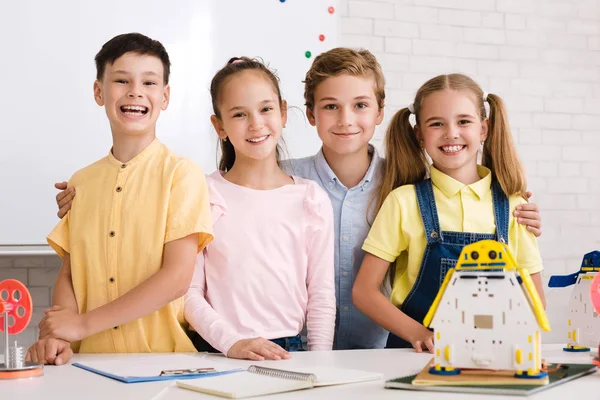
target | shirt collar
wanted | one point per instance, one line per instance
(144, 154)
(327, 175)
(450, 186)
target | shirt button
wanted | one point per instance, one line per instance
(123, 166)
(111, 279)
(345, 238)
(116, 327)
(112, 233)
(347, 202)
(345, 274)
(118, 189)
(345, 308)
(330, 183)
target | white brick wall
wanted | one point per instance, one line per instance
(543, 58)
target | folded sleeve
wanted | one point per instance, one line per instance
(320, 318)
(58, 239)
(189, 209)
(386, 239)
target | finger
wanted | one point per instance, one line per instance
(277, 349)
(417, 345)
(528, 194)
(250, 355)
(535, 231)
(28, 355)
(61, 185)
(429, 344)
(528, 207)
(67, 198)
(64, 355)
(534, 223)
(62, 212)
(53, 308)
(266, 352)
(50, 351)
(534, 215)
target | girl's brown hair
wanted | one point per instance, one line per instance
(234, 66)
(405, 161)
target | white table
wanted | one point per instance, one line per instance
(68, 382)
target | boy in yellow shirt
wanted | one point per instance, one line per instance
(141, 215)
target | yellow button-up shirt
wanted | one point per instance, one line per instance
(115, 232)
(398, 233)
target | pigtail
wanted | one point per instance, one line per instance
(499, 151)
(405, 162)
(227, 158)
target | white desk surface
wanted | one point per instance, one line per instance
(68, 382)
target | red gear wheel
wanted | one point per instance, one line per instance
(15, 299)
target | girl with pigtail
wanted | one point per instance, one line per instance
(428, 213)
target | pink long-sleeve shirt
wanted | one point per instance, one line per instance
(270, 267)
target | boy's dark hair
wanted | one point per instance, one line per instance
(135, 43)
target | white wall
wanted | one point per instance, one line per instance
(543, 58)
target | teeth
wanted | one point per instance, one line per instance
(134, 108)
(257, 140)
(452, 149)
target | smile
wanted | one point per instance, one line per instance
(452, 149)
(134, 111)
(259, 139)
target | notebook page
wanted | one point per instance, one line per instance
(327, 376)
(243, 384)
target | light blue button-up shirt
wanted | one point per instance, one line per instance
(353, 330)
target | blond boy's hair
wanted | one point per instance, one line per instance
(342, 60)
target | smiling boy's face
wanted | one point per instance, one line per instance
(133, 93)
(345, 113)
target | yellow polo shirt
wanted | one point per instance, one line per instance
(121, 218)
(398, 233)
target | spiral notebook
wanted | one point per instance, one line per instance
(259, 381)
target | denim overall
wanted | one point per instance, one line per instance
(442, 251)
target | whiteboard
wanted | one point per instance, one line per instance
(50, 125)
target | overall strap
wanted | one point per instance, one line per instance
(501, 212)
(428, 211)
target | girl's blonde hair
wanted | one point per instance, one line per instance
(405, 161)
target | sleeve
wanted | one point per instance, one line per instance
(189, 209)
(386, 239)
(58, 239)
(202, 317)
(525, 243)
(320, 318)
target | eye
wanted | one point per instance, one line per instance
(435, 124)
(330, 107)
(475, 255)
(492, 254)
(362, 105)
(149, 83)
(267, 109)
(464, 122)
(238, 115)
(122, 81)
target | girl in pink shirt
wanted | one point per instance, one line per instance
(269, 269)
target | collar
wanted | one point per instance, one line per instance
(327, 175)
(450, 186)
(150, 150)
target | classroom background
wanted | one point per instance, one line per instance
(541, 56)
